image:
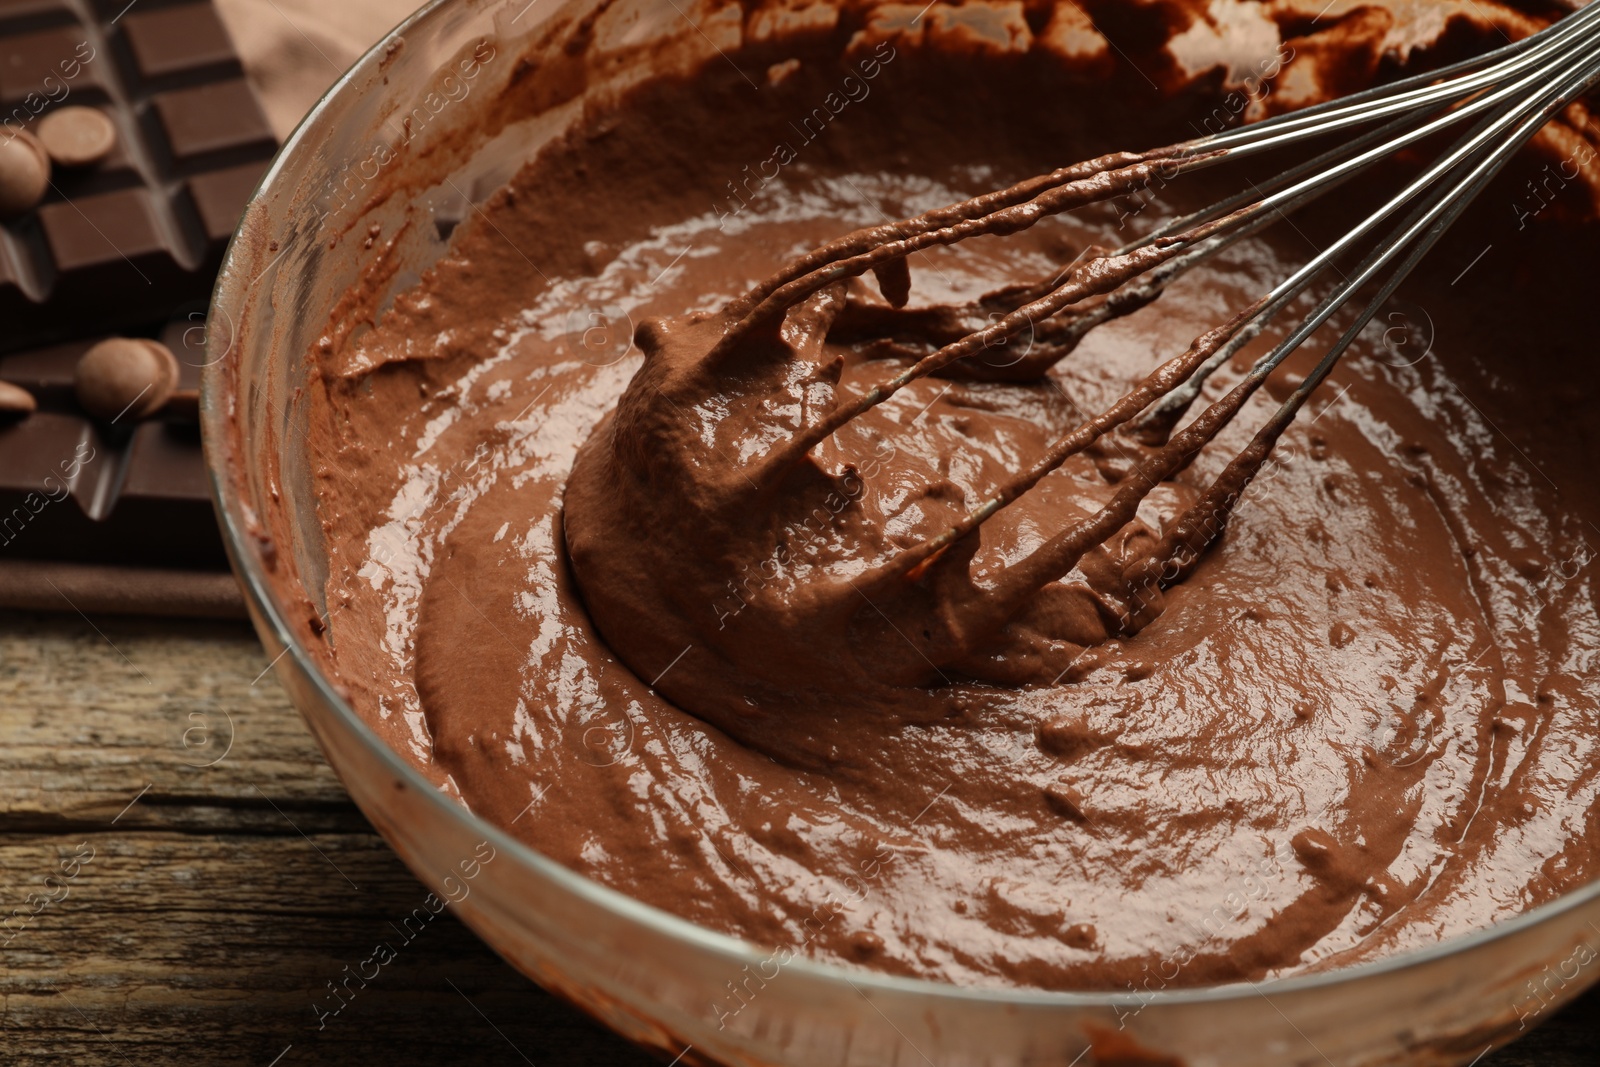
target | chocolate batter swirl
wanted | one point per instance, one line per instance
(697, 520)
(1364, 722)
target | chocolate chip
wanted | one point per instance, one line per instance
(123, 378)
(77, 136)
(24, 173)
(16, 401)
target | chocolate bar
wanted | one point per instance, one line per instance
(142, 231)
(127, 245)
(92, 490)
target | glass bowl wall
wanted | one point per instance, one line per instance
(415, 133)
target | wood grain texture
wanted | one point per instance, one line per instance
(220, 899)
(231, 880)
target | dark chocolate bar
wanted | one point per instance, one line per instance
(128, 246)
(72, 488)
(122, 243)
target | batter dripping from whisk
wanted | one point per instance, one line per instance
(1362, 722)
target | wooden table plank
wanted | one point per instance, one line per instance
(213, 948)
(206, 926)
(94, 711)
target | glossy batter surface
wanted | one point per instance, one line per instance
(1366, 722)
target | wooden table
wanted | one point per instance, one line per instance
(231, 878)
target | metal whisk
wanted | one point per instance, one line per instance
(918, 611)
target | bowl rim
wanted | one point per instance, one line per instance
(246, 562)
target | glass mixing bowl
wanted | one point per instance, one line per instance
(418, 132)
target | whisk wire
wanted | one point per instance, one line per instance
(1483, 152)
(1417, 91)
(1482, 110)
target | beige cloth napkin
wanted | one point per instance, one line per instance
(294, 49)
